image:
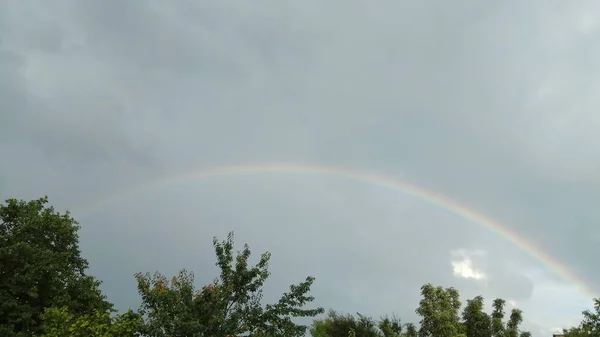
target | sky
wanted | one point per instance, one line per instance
(490, 104)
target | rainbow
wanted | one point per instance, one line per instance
(428, 196)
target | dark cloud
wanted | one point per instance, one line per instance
(492, 105)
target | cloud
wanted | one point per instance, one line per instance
(493, 109)
(462, 265)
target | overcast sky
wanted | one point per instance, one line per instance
(493, 104)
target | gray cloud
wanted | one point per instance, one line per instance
(490, 104)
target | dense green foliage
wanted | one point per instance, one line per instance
(336, 324)
(59, 322)
(41, 267)
(45, 292)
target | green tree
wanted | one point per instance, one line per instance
(319, 328)
(390, 327)
(41, 267)
(498, 317)
(339, 325)
(62, 323)
(231, 305)
(476, 322)
(590, 324)
(438, 309)
(411, 330)
(514, 321)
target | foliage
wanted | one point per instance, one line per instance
(229, 306)
(390, 327)
(41, 267)
(45, 292)
(512, 326)
(476, 322)
(438, 309)
(62, 323)
(411, 330)
(340, 325)
(319, 328)
(590, 324)
(498, 317)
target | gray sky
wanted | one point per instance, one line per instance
(490, 104)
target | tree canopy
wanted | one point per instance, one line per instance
(45, 292)
(41, 267)
(60, 322)
(231, 305)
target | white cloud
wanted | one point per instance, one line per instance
(462, 264)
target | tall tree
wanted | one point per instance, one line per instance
(477, 323)
(514, 321)
(438, 309)
(41, 267)
(231, 305)
(498, 317)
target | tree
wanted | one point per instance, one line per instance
(340, 325)
(62, 323)
(590, 324)
(498, 317)
(319, 328)
(438, 309)
(231, 305)
(476, 322)
(390, 327)
(514, 321)
(411, 330)
(41, 267)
